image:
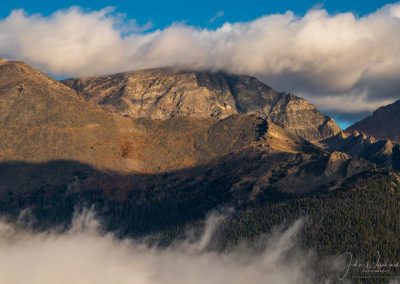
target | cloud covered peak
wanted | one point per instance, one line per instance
(341, 62)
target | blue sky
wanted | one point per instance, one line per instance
(198, 13)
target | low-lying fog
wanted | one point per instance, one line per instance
(85, 255)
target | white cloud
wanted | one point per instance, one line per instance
(324, 57)
(83, 255)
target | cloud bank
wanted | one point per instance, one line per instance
(343, 63)
(83, 255)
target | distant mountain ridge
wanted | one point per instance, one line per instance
(165, 92)
(384, 123)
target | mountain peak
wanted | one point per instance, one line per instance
(163, 93)
(42, 119)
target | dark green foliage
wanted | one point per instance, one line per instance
(361, 216)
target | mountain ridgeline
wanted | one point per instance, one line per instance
(166, 93)
(384, 123)
(155, 151)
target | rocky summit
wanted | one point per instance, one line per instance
(165, 93)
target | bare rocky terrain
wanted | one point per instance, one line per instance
(166, 93)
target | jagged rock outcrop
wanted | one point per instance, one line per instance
(337, 163)
(384, 123)
(166, 93)
(383, 153)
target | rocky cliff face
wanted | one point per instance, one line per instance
(384, 123)
(166, 93)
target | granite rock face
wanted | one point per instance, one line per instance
(384, 123)
(166, 93)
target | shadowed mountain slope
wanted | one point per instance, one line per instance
(384, 153)
(384, 123)
(164, 206)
